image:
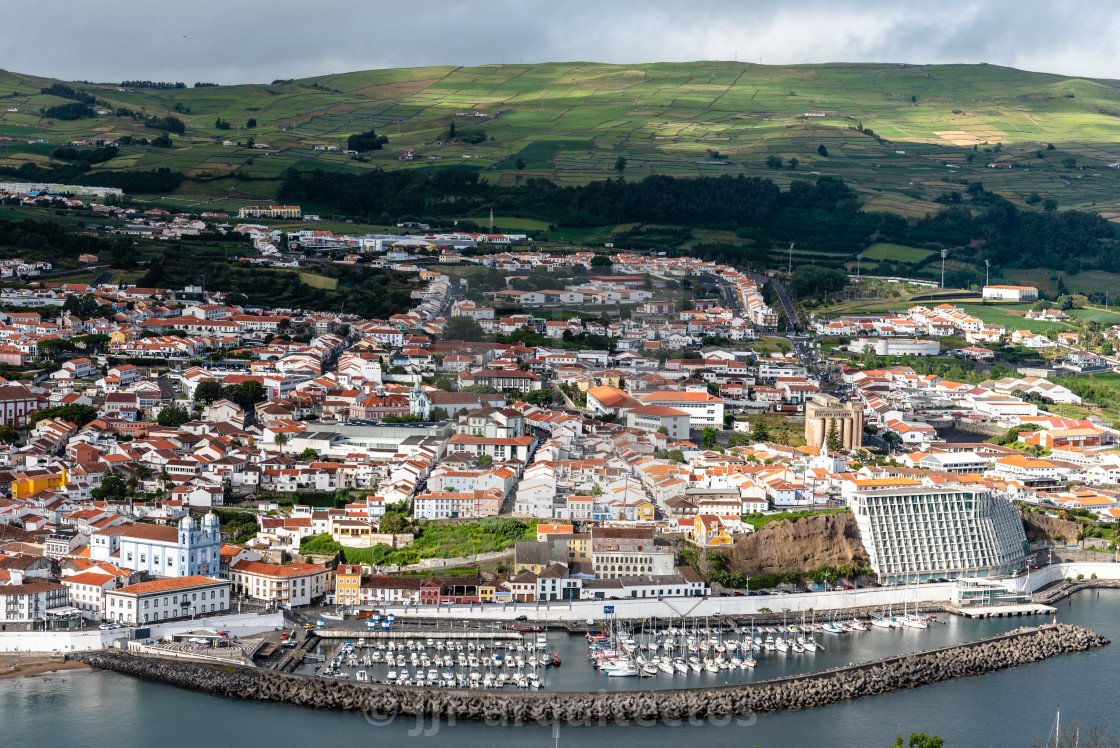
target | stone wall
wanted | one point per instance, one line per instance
(1015, 648)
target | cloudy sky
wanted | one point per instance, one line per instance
(232, 41)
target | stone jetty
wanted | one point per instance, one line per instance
(380, 701)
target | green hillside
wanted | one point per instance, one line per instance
(926, 129)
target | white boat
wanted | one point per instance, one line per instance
(392, 675)
(881, 622)
(666, 667)
(781, 644)
(915, 621)
(711, 667)
(362, 676)
(624, 670)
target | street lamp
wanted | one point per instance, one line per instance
(987, 270)
(944, 252)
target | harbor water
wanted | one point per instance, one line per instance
(1007, 708)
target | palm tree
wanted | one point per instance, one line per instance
(281, 440)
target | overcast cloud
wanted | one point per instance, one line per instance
(236, 41)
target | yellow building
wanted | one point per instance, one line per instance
(270, 211)
(348, 584)
(33, 481)
(708, 530)
(486, 592)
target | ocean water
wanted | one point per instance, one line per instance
(1007, 708)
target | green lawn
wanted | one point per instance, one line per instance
(999, 315)
(758, 521)
(885, 251)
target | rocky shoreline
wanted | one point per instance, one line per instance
(1019, 647)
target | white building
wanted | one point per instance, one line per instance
(287, 586)
(916, 532)
(654, 417)
(703, 409)
(160, 550)
(1011, 293)
(27, 600)
(896, 346)
(148, 602)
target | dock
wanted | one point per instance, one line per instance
(1005, 611)
(360, 635)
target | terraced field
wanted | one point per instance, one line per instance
(931, 126)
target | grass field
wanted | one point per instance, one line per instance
(767, 346)
(999, 315)
(885, 251)
(758, 521)
(1086, 282)
(319, 281)
(569, 121)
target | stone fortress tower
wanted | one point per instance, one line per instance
(824, 409)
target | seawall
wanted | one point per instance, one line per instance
(1015, 648)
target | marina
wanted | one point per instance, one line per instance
(671, 654)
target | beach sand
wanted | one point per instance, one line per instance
(32, 665)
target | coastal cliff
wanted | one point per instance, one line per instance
(808, 543)
(1018, 647)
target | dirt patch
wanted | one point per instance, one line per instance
(959, 137)
(394, 90)
(808, 543)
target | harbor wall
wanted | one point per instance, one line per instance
(380, 702)
(680, 607)
(88, 639)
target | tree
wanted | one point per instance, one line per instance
(173, 416)
(832, 438)
(308, 454)
(813, 281)
(55, 347)
(392, 523)
(774, 162)
(601, 261)
(520, 164)
(280, 440)
(822, 150)
(246, 395)
(79, 415)
(793, 162)
(919, 740)
(1049, 205)
(708, 437)
(1069, 162)
(438, 414)
(484, 461)
(675, 455)
(462, 328)
(8, 435)
(208, 391)
(83, 307)
(366, 141)
(759, 432)
(620, 164)
(251, 123)
(112, 488)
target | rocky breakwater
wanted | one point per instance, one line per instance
(1019, 647)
